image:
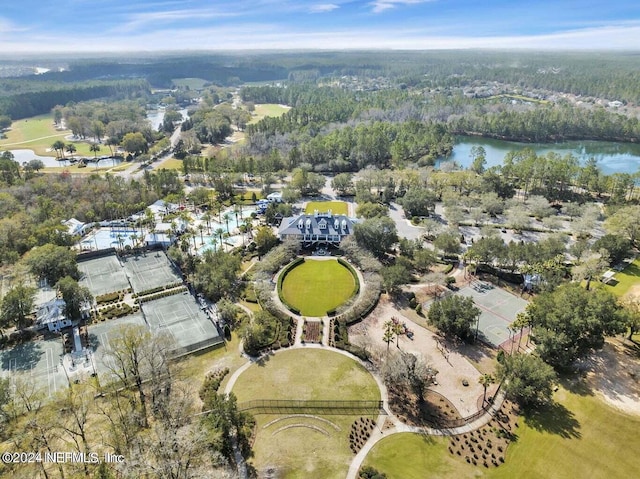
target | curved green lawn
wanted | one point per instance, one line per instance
(583, 437)
(315, 287)
(336, 207)
(308, 374)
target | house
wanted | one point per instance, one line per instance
(51, 315)
(75, 227)
(316, 229)
(274, 197)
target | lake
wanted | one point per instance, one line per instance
(155, 117)
(612, 157)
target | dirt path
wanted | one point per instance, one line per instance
(614, 374)
(453, 367)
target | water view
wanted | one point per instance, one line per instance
(612, 157)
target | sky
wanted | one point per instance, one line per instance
(41, 26)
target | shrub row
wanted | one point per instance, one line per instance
(162, 294)
(110, 297)
(341, 341)
(281, 279)
(116, 311)
(157, 289)
(364, 303)
(356, 288)
(448, 269)
(212, 382)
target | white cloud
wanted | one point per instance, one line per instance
(382, 5)
(262, 36)
(138, 20)
(323, 7)
(7, 26)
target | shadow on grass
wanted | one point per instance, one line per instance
(263, 360)
(577, 384)
(555, 419)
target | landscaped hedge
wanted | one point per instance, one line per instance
(281, 278)
(515, 278)
(365, 302)
(110, 297)
(158, 289)
(162, 294)
(116, 311)
(341, 340)
(356, 288)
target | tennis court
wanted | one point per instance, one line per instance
(101, 333)
(38, 362)
(150, 270)
(103, 275)
(498, 307)
(182, 318)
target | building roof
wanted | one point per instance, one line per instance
(317, 224)
(51, 311)
(74, 226)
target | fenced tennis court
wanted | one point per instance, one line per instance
(498, 307)
(182, 318)
(150, 270)
(38, 363)
(103, 275)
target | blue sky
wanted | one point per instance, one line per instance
(145, 25)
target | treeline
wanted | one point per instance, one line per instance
(550, 124)
(27, 104)
(32, 211)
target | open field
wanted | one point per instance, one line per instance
(171, 164)
(336, 207)
(268, 109)
(308, 446)
(315, 287)
(578, 437)
(287, 375)
(190, 83)
(37, 133)
(627, 279)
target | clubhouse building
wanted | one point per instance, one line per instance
(318, 229)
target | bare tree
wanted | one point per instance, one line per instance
(409, 371)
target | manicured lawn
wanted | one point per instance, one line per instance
(171, 164)
(36, 133)
(268, 109)
(626, 278)
(580, 437)
(304, 452)
(315, 287)
(336, 207)
(307, 374)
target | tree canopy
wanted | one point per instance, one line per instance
(52, 262)
(570, 321)
(528, 379)
(454, 316)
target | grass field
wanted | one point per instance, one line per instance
(626, 279)
(315, 287)
(302, 452)
(580, 437)
(191, 83)
(336, 207)
(268, 109)
(36, 133)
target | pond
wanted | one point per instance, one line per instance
(155, 117)
(612, 157)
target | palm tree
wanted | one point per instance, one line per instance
(207, 217)
(71, 148)
(227, 217)
(214, 242)
(95, 148)
(58, 146)
(111, 142)
(398, 330)
(201, 229)
(248, 224)
(220, 232)
(486, 380)
(389, 334)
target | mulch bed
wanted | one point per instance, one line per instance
(434, 411)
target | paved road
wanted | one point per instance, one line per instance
(404, 226)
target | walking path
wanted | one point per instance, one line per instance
(398, 426)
